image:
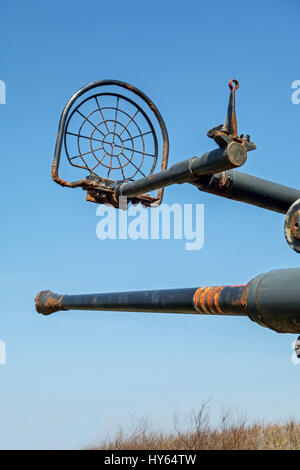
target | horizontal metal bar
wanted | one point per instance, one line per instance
(189, 300)
(212, 162)
(163, 301)
(249, 189)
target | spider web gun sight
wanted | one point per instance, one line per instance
(120, 138)
(113, 138)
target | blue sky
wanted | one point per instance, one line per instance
(74, 377)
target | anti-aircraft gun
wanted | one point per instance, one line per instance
(119, 137)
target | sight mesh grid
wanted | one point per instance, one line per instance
(113, 135)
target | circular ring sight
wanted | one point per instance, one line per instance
(112, 136)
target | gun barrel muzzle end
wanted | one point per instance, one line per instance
(47, 302)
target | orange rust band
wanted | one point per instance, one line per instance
(206, 300)
(202, 300)
(197, 299)
(216, 299)
(209, 300)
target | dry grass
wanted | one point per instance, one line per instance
(232, 433)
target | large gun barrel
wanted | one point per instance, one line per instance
(272, 300)
(246, 188)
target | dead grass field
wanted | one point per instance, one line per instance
(232, 433)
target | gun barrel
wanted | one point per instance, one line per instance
(271, 300)
(220, 159)
(219, 300)
(213, 173)
(249, 189)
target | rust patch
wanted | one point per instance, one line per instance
(295, 225)
(209, 300)
(216, 300)
(206, 300)
(46, 302)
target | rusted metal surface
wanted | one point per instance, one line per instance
(272, 300)
(231, 122)
(48, 301)
(292, 226)
(221, 300)
(228, 131)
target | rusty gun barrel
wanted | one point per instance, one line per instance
(271, 299)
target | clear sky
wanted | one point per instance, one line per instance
(73, 377)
